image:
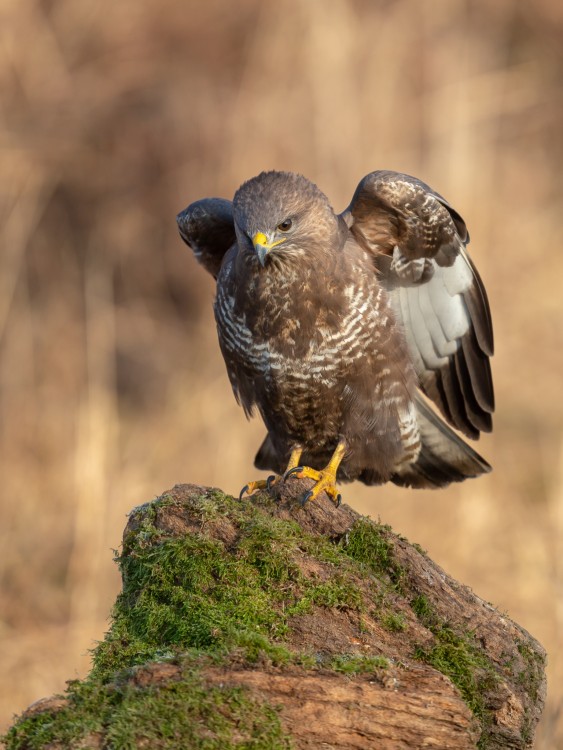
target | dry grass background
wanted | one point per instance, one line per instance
(113, 117)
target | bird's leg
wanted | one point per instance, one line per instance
(325, 479)
(267, 484)
(294, 459)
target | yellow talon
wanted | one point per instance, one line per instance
(252, 487)
(267, 484)
(325, 479)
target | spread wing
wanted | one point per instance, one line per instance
(207, 226)
(418, 243)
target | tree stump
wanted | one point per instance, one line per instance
(262, 624)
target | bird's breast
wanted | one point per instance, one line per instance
(295, 340)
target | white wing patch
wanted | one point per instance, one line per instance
(434, 314)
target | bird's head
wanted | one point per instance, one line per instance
(281, 215)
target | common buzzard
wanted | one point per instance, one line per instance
(334, 326)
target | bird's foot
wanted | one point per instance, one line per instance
(273, 479)
(325, 482)
(259, 484)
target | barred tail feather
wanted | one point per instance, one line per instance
(444, 457)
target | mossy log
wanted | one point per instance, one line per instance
(261, 624)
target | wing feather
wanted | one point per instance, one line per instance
(208, 228)
(401, 222)
(479, 370)
(480, 418)
(445, 289)
(478, 305)
(421, 329)
(444, 345)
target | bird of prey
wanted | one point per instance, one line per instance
(340, 329)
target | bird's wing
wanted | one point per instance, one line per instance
(207, 226)
(418, 244)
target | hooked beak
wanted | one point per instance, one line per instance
(263, 245)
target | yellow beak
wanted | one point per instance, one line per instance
(263, 246)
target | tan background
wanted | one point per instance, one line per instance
(112, 389)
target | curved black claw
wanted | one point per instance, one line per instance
(338, 500)
(243, 491)
(306, 497)
(291, 472)
(269, 481)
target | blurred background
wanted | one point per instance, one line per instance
(114, 116)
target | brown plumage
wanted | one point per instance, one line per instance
(332, 325)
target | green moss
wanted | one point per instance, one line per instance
(458, 659)
(356, 663)
(268, 545)
(338, 593)
(393, 621)
(185, 712)
(192, 592)
(255, 646)
(424, 611)
(367, 542)
(532, 676)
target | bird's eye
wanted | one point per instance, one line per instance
(285, 226)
